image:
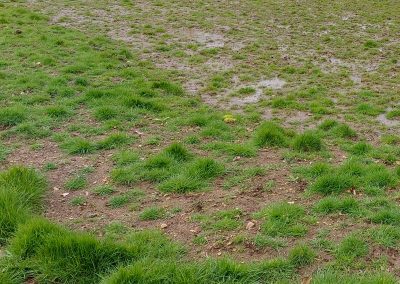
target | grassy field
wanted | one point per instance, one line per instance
(199, 141)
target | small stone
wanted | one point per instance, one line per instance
(64, 194)
(164, 225)
(56, 189)
(250, 225)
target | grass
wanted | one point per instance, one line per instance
(270, 134)
(224, 220)
(11, 116)
(103, 190)
(301, 255)
(152, 213)
(21, 194)
(105, 104)
(350, 248)
(118, 201)
(283, 219)
(76, 183)
(307, 142)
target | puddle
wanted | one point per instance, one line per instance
(274, 84)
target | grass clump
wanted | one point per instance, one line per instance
(11, 116)
(195, 176)
(386, 235)
(50, 252)
(283, 219)
(78, 146)
(76, 183)
(301, 255)
(270, 134)
(332, 183)
(105, 113)
(152, 213)
(333, 204)
(307, 142)
(351, 248)
(177, 152)
(118, 201)
(224, 220)
(21, 194)
(78, 201)
(113, 141)
(104, 190)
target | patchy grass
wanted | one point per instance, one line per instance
(195, 103)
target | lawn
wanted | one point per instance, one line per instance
(199, 141)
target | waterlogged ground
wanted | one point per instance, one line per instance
(93, 99)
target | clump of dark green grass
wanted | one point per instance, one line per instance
(21, 194)
(332, 183)
(78, 146)
(262, 241)
(194, 177)
(57, 111)
(283, 219)
(337, 129)
(301, 255)
(118, 201)
(11, 116)
(224, 220)
(78, 201)
(76, 183)
(332, 276)
(270, 134)
(177, 152)
(114, 140)
(141, 103)
(125, 157)
(104, 190)
(360, 148)
(372, 178)
(368, 109)
(350, 248)
(105, 113)
(152, 213)
(50, 252)
(393, 114)
(389, 216)
(307, 142)
(333, 204)
(385, 235)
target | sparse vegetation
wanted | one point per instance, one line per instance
(141, 143)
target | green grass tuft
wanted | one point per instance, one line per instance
(270, 134)
(307, 142)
